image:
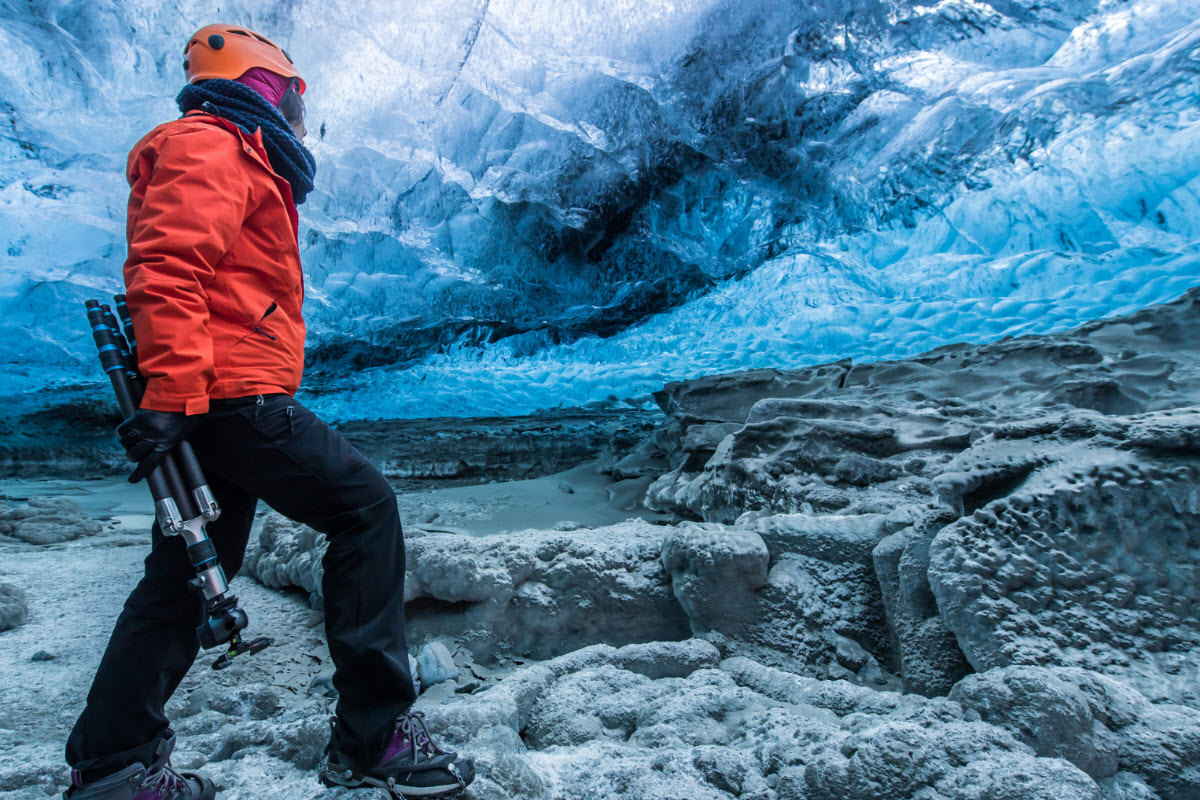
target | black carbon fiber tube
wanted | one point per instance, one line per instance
(115, 366)
(127, 323)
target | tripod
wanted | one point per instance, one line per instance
(183, 503)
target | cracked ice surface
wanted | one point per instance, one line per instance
(524, 205)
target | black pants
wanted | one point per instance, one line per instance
(274, 449)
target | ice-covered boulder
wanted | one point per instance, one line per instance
(716, 572)
(287, 555)
(533, 593)
(901, 759)
(14, 609)
(47, 520)
(435, 665)
(1074, 552)
(1107, 729)
(589, 727)
(927, 655)
(791, 589)
(542, 592)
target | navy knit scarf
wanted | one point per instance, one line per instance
(250, 111)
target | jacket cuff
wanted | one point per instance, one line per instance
(156, 401)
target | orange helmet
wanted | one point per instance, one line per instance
(227, 51)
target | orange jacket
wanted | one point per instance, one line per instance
(213, 275)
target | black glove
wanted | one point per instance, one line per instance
(148, 436)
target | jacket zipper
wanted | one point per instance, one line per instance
(258, 328)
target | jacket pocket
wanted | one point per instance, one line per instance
(258, 329)
(274, 417)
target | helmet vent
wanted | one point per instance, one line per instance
(216, 41)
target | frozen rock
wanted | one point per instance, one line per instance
(234, 723)
(811, 455)
(794, 589)
(743, 729)
(509, 704)
(839, 697)
(716, 572)
(832, 538)
(413, 669)
(542, 592)
(1045, 711)
(956, 759)
(534, 593)
(1126, 786)
(929, 658)
(1105, 728)
(47, 520)
(14, 609)
(322, 685)
(1074, 553)
(252, 702)
(667, 659)
(287, 555)
(435, 665)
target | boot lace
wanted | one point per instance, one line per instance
(166, 782)
(412, 727)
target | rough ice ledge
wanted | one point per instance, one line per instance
(903, 523)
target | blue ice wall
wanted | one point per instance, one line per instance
(530, 204)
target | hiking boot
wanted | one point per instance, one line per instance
(412, 765)
(159, 781)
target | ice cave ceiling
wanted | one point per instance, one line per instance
(529, 204)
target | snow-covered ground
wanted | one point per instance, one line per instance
(75, 589)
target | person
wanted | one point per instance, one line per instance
(215, 289)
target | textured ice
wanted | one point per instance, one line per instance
(792, 590)
(1088, 562)
(532, 593)
(14, 609)
(1026, 502)
(1024, 509)
(528, 205)
(46, 520)
(591, 728)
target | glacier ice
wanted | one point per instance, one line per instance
(524, 205)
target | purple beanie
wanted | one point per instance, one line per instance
(266, 83)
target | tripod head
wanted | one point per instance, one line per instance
(224, 624)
